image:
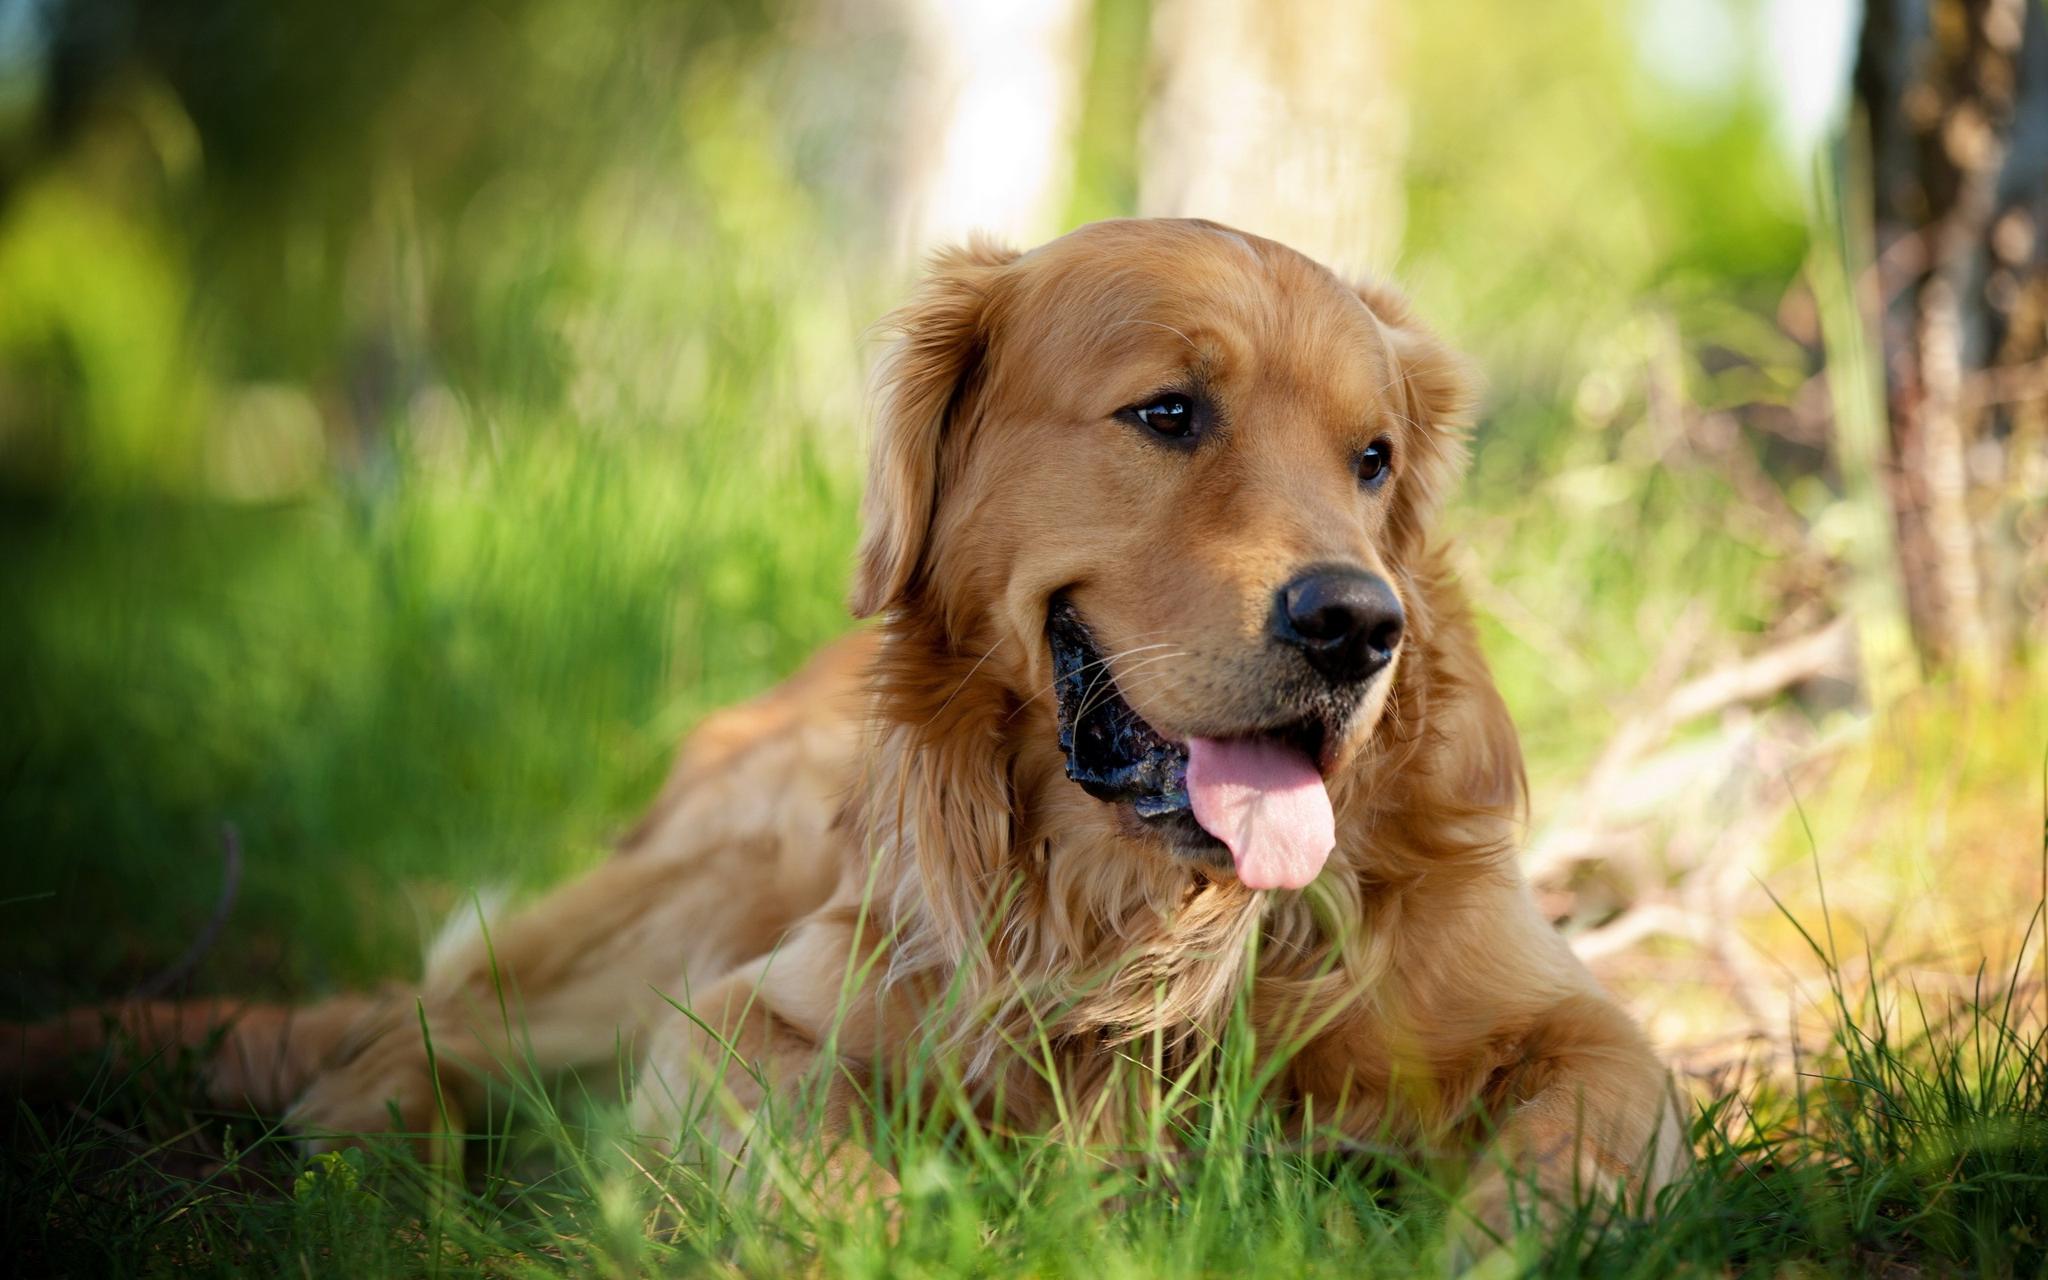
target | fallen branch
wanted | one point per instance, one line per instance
(1763, 676)
(1590, 834)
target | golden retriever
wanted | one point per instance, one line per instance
(1172, 709)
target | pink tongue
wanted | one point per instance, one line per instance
(1267, 802)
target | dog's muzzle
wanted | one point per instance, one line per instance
(1110, 750)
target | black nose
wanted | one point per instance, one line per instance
(1346, 622)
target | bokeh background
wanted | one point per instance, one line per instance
(415, 414)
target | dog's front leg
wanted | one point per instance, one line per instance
(557, 985)
(741, 1078)
(1584, 1112)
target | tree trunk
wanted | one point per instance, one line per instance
(1956, 95)
(993, 101)
(1284, 120)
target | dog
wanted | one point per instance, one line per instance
(1171, 725)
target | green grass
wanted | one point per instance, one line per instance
(1913, 1141)
(418, 694)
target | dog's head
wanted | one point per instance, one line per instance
(1167, 480)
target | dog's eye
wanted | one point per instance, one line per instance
(1373, 463)
(1171, 415)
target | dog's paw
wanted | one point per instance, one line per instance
(1485, 1220)
(381, 1102)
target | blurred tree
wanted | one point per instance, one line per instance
(993, 98)
(365, 202)
(1956, 94)
(1286, 120)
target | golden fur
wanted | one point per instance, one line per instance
(904, 798)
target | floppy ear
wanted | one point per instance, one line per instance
(941, 336)
(1438, 393)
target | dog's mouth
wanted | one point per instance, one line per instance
(1253, 801)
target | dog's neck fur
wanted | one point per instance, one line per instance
(1071, 928)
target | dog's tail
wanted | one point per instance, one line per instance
(245, 1055)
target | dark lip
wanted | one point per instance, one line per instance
(1117, 757)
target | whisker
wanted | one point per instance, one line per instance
(1151, 680)
(1155, 324)
(963, 682)
(1123, 677)
(1087, 666)
(1104, 677)
(1116, 682)
(1102, 666)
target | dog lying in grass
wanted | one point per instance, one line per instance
(1172, 733)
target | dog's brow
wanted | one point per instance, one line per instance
(1395, 380)
(1160, 324)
